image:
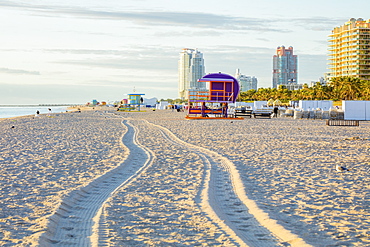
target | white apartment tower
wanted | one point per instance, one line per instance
(246, 83)
(350, 49)
(191, 68)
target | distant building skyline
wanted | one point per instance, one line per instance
(349, 47)
(190, 69)
(349, 55)
(284, 67)
(246, 82)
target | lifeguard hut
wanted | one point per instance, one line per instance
(125, 106)
(136, 99)
(222, 90)
(133, 102)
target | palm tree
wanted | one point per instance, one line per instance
(365, 90)
(335, 85)
(339, 88)
(283, 93)
(351, 88)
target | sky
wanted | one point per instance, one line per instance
(74, 51)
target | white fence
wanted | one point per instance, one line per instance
(324, 105)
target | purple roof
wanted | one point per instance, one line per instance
(223, 77)
(215, 79)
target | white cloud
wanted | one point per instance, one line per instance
(18, 71)
(98, 49)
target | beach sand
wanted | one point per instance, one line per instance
(43, 159)
(177, 182)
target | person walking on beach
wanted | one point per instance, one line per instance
(276, 110)
(37, 113)
(49, 112)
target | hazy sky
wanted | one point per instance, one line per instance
(73, 51)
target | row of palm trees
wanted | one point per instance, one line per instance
(339, 88)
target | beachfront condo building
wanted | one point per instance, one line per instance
(190, 69)
(246, 83)
(284, 67)
(349, 49)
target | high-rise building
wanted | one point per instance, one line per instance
(246, 82)
(349, 49)
(190, 68)
(284, 67)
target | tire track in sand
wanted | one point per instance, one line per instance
(77, 222)
(224, 200)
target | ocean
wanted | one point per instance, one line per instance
(17, 111)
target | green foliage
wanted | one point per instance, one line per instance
(339, 88)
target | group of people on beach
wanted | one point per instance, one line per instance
(38, 112)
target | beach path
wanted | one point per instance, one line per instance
(222, 198)
(77, 220)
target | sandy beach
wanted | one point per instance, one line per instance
(107, 178)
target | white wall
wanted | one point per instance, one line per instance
(162, 105)
(314, 104)
(236, 104)
(325, 104)
(356, 109)
(259, 104)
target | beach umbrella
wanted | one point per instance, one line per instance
(277, 103)
(270, 102)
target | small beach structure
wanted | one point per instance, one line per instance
(162, 105)
(133, 102)
(356, 109)
(212, 103)
(135, 98)
(125, 106)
